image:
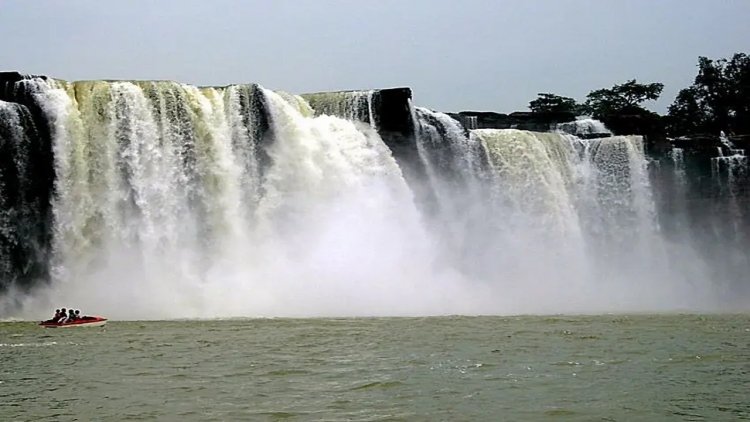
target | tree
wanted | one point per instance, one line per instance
(719, 98)
(620, 108)
(551, 103)
(622, 99)
(687, 113)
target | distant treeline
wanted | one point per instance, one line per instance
(718, 100)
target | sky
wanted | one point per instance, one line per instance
(455, 55)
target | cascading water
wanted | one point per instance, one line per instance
(701, 210)
(446, 149)
(617, 196)
(24, 196)
(584, 127)
(533, 207)
(583, 208)
(676, 198)
(164, 207)
(729, 145)
(678, 162)
(733, 163)
(729, 173)
(350, 105)
(456, 170)
(176, 201)
(14, 184)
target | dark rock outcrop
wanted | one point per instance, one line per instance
(537, 122)
(395, 123)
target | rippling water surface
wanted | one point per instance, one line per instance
(677, 367)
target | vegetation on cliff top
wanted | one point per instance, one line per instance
(718, 100)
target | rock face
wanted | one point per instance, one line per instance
(537, 122)
(394, 120)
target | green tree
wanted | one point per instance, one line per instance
(622, 99)
(719, 98)
(620, 108)
(551, 103)
(687, 114)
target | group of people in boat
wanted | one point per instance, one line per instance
(62, 316)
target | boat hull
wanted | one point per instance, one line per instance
(97, 322)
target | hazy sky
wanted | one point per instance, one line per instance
(456, 55)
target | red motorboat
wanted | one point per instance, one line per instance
(87, 321)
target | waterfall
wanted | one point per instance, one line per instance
(730, 174)
(453, 160)
(678, 162)
(173, 200)
(456, 172)
(532, 176)
(18, 207)
(350, 105)
(729, 145)
(168, 200)
(676, 205)
(319, 159)
(591, 199)
(729, 170)
(620, 185)
(147, 183)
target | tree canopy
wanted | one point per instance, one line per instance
(719, 98)
(622, 99)
(551, 103)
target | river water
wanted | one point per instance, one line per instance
(609, 367)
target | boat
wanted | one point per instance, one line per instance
(88, 321)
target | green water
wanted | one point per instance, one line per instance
(623, 368)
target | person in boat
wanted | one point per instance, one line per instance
(61, 318)
(69, 317)
(77, 314)
(55, 318)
